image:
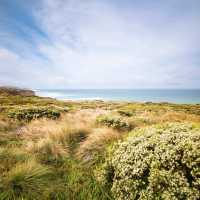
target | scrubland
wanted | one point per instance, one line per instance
(96, 150)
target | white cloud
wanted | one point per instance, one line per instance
(97, 44)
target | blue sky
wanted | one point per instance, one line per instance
(100, 43)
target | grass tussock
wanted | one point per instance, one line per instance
(38, 129)
(10, 157)
(48, 150)
(67, 125)
(91, 151)
(9, 139)
(25, 181)
(57, 133)
(7, 125)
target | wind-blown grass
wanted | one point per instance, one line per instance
(91, 151)
(25, 181)
(9, 157)
(48, 150)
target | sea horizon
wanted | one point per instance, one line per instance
(183, 96)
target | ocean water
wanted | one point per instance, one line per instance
(138, 95)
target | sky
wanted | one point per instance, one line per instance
(63, 44)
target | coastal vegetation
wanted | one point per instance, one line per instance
(92, 150)
(160, 162)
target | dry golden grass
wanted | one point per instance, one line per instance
(56, 128)
(178, 117)
(148, 118)
(48, 147)
(3, 124)
(38, 129)
(10, 157)
(92, 149)
(52, 140)
(7, 125)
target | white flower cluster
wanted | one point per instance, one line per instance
(163, 163)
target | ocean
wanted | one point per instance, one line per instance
(136, 95)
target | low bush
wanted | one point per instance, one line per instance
(114, 122)
(28, 114)
(162, 162)
(126, 113)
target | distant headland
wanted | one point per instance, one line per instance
(9, 90)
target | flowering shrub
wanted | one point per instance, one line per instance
(162, 162)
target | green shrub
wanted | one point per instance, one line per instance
(115, 122)
(162, 162)
(25, 181)
(126, 113)
(28, 114)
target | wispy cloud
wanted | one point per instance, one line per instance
(101, 44)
